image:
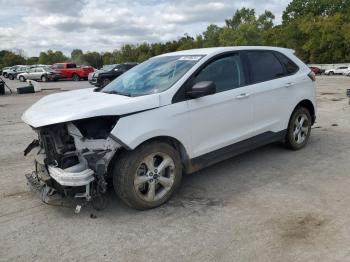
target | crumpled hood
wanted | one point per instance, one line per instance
(84, 103)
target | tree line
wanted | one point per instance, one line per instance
(318, 30)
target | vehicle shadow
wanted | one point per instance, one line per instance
(216, 186)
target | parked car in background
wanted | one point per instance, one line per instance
(175, 113)
(108, 73)
(347, 72)
(39, 73)
(337, 71)
(12, 74)
(71, 70)
(317, 70)
(6, 70)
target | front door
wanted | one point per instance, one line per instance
(224, 118)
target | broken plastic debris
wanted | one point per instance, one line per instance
(77, 209)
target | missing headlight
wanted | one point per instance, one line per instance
(96, 127)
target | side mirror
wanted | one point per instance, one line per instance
(201, 89)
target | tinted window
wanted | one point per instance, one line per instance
(290, 67)
(226, 73)
(264, 66)
(71, 65)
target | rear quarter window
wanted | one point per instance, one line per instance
(290, 67)
(264, 66)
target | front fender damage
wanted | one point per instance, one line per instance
(73, 158)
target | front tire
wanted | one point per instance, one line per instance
(105, 82)
(22, 79)
(299, 129)
(11, 77)
(146, 177)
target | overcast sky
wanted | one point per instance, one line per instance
(104, 25)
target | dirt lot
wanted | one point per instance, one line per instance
(267, 205)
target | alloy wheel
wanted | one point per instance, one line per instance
(154, 177)
(300, 128)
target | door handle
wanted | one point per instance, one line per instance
(289, 84)
(242, 96)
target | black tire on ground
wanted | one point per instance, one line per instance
(292, 134)
(105, 82)
(331, 73)
(11, 77)
(126, 169)
(44, 78)
(75, 77)
(22, 79)
(5, 75)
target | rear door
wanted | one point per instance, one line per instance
(37, 73)
(31, 74)
(273, 81)
(224, 118)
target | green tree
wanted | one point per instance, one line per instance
(300, 8)
(93, 59)
(32, 60)
(211, 37)
(77, 56)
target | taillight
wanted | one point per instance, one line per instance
(312, 76)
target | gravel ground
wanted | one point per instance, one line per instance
(270, 204)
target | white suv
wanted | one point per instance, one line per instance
(175, 113)
(337, 71)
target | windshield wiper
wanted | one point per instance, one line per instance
(113, 92)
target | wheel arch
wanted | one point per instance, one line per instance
(309, 106)
(175, 143)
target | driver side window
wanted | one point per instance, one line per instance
(226, 72)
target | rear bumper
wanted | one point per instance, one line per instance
(54, 77)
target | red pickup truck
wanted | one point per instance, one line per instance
(71, 70)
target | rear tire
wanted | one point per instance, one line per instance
(11, 77)
(5, 75)
(147, 177)
(22, 79)
(75, 77)
(331, 73)
(299, 129)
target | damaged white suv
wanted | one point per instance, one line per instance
(173, 114)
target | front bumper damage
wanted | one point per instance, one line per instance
(71, 162)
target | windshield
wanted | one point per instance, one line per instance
(152, 76)
(107, 67)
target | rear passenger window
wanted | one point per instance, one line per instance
(264, 66)
(290, 66)
(227, 73)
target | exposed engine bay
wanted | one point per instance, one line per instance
(72, 159)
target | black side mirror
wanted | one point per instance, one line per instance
(201, 89)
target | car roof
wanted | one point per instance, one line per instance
(218, 50)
